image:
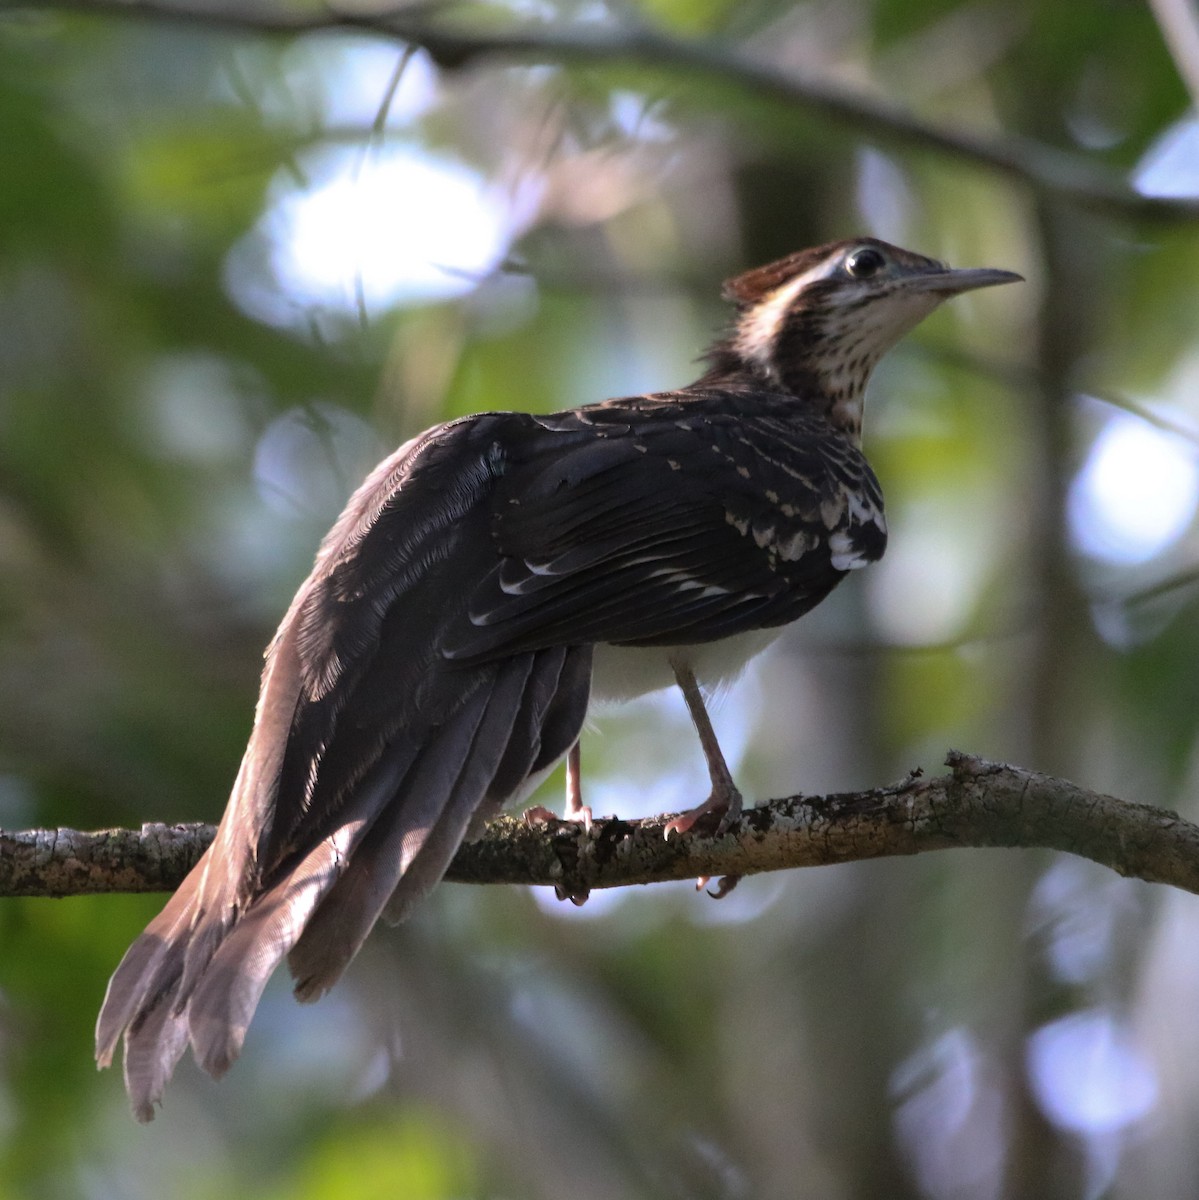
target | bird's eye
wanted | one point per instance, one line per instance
(864, 263)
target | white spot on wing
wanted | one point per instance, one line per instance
(846, 555)
(688, 583)
(832, 510)
(796, 546)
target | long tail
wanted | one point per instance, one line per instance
(198, 971)
(392, 871)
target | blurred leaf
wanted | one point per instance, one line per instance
(414, 1154)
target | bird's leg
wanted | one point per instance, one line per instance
(576, 810)
(724, 799)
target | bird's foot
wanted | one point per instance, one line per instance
(724, 800)
(577, 813)
(540, 815)
(576, 810)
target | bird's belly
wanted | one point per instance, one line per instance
(622, 672)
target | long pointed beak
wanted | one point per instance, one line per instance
(951, 282)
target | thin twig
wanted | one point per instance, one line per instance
(1036, 164)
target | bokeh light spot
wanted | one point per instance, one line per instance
(1136, 493)
(1088, 1076)
(372, 230)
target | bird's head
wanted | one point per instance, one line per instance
(815, 323)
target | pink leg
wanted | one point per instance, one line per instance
(576, 810)
(724, 799)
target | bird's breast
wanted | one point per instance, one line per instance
(623, 672)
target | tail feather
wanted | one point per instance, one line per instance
(143, 997)
(222, 1002)
(198, 972)
(148, 991)
(219, 1011)
(150, 969)
(526, 736)
(149, 995)
(524, 748)
(154, 1044)
(410, 843)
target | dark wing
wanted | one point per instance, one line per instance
(656, 522)
(370, 759)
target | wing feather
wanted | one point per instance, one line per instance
(694, 522)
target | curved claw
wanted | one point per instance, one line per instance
(724, 885)
(725, 801)
(578, 899)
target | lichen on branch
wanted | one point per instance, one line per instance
(976, 803)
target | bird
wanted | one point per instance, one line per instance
(485, 584)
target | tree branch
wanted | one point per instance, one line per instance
(977, 803)
(1043, 167)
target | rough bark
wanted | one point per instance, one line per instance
(976, 803)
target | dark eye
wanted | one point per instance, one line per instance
(864, 263)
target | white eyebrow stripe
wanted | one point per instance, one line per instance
(757, 336)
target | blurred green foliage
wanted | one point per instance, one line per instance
(178, 426)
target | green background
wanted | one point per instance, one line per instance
(968, 1024)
